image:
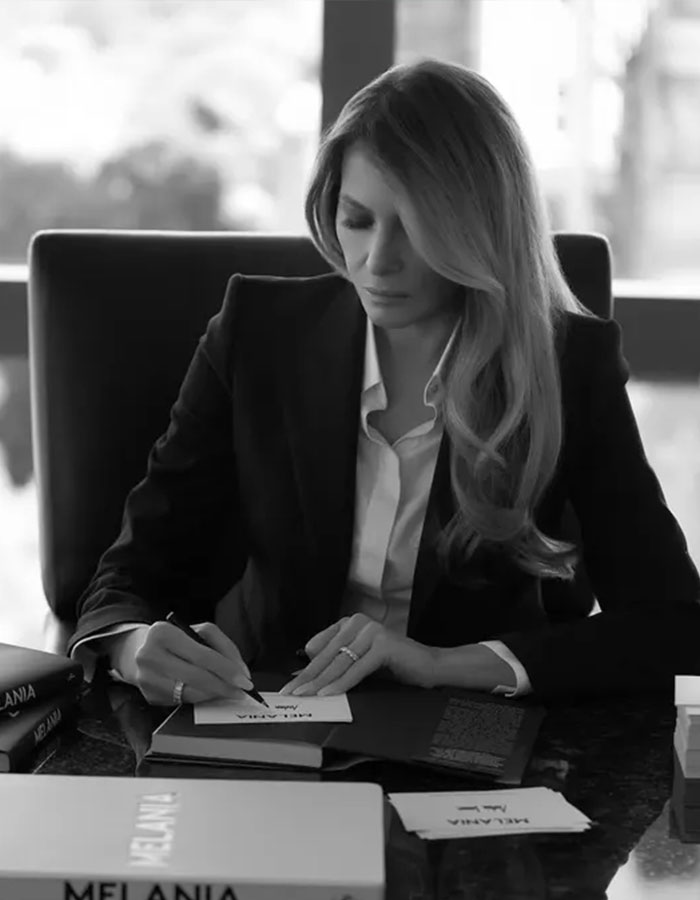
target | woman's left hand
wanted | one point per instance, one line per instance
(334, 671)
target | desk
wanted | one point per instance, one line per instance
(611, 758)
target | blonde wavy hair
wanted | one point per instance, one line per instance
(474, 212)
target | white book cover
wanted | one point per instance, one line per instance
(68, 837)
(687, 691)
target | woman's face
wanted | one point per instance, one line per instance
(395, 286)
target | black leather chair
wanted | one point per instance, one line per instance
(105, 370)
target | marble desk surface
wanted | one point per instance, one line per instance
(612, 758)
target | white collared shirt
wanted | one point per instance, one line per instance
(391, 495)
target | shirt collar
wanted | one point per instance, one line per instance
(435, 384)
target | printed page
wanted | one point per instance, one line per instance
(475, 735)
(244, 710)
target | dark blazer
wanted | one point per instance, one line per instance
(253, 486)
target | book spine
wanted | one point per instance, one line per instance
(18, 696)
(691, 736)
(41, 731)
(79, 889)
(689, 758)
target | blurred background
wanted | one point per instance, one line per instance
(205, 114)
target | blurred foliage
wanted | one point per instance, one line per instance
(155, 114)
(151, 186)
(163, 114)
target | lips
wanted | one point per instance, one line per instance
(386, 294)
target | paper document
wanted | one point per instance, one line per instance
(244, 710)
(457, 814)
(687, 691)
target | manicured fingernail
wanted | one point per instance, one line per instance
(244, 683)
(302, 690)
(326, 691)
(284, 690)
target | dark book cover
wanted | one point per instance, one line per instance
(448, 729)
(686, 791)
(176, 767)
(461, 731)
(23, 731)
(683, 825)
(29, 676)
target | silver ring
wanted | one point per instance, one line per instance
(348, 652)
(177, 692)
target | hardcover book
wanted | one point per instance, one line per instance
(23, 731)
(460, 731)
(91, 837)
(686, 790)
(689, 759)
(685, 805)
(28, 676)
(688, 725)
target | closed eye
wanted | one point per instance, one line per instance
(355, 224)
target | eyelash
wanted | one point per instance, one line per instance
(355, 224)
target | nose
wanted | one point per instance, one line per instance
(384, 253)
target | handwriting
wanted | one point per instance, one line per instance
(499, 807)
(258, 716)
(496, 821)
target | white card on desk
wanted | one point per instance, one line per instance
(477, 813)
(244, 710)
(687, 690)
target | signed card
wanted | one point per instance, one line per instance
(478, 813)
(283, 708)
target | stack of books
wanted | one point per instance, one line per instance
(38, 692)
(685, 799)
(451, 730)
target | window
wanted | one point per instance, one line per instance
(156, 114)
(607, 93)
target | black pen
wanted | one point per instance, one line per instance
(190, 632)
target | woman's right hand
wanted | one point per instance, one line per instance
(155, 657)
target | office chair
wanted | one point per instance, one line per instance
(105, 372)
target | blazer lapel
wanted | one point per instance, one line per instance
(438, 513)
(323, 387)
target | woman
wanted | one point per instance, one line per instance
(379, 459)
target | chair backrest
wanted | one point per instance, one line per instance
(114, 318)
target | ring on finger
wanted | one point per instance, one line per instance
(348, 652)
(178, 690)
